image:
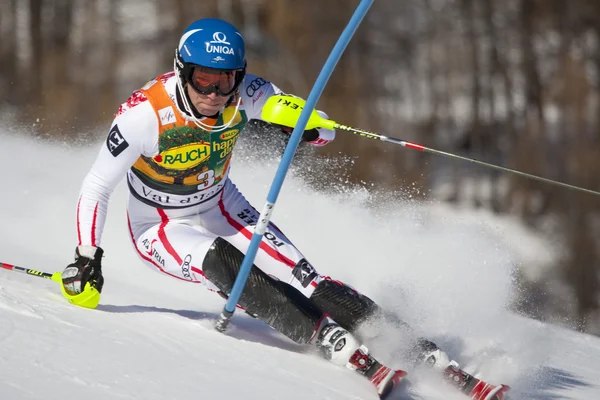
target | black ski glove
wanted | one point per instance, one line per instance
(307, 136)
(86, 268)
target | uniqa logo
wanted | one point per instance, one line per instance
(217, 44)
(211, 48)
(219, 37)
(229, 134)
(183, 157)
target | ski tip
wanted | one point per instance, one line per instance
(505, 388)
(399, 374)
(498, 392)
(392, 383)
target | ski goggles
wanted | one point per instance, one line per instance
(208, 80)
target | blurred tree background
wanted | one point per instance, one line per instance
(512, 82)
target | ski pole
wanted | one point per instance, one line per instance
(88, 298)
(56, 276)
(285, 109)
(288, 155)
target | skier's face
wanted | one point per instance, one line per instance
(206, 104)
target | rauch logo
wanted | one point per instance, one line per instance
(183, 157)
(229, 134)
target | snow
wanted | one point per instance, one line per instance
(447, 272)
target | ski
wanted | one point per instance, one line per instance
(476, 389)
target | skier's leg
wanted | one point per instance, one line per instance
(190, 248)
(234, 220)
(295, 315)
(181, 244)
(270, 300)
(277, 257)
(173, 248)
(280, 286)
(349, 307)
(352, 309)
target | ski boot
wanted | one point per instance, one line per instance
(429, 354)
(340, 347)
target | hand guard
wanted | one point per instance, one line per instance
(86, 269)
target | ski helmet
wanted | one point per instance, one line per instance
(211, 57)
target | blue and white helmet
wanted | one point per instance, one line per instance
(215, 45)
(212, 43)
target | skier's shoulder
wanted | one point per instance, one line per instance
(136, 120)
(136, 113)
(253, 85)
(132, 104)
(139, 97)
(255, 91)
(139, 106)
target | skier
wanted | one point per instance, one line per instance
(174, 139)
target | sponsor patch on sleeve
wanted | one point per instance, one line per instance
(304, 272)
(115, 142)
(253, 87)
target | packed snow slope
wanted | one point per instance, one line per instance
(448, 274)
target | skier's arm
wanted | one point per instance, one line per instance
(132, 133)
(256, 92)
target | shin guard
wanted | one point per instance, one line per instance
(274, 302)
(345, 305)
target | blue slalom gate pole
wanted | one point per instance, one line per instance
(288, 155)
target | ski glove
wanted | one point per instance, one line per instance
(86, 268)
(307, 136)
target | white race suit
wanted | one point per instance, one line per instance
(181, 198)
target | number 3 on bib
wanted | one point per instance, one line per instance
(206, 179)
